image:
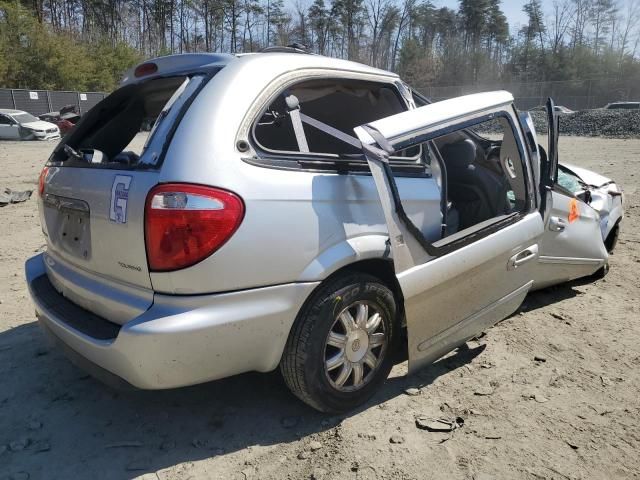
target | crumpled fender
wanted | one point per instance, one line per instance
(344, 253)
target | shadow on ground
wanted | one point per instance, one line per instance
(557, 293)
(123, 434)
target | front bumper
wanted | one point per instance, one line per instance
(40, 135)
(180, 340)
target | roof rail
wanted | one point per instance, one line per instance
(291, 48)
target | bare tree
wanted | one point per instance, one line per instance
(560, 23)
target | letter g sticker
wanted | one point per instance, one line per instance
(119, 198)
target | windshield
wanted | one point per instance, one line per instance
(569, 181)
(24, 118)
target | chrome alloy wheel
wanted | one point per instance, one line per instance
(355, 346)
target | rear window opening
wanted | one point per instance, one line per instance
(343, 104)
(117, 131)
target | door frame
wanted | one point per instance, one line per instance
(428, 134)
(411, 250)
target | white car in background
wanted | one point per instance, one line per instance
(19, 125)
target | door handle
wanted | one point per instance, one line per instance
(522, 257)
(556, 224)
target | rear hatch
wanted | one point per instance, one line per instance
(93, 192)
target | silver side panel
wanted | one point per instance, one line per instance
(570, 247)
(328, 220)
(451, 297)
(471, 283)
(436, 346)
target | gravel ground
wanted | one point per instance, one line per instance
(590, 123)
(551, 392)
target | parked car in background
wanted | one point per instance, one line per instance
(623, 106)
(19, 125)
(559, 109)
(330, 209)
(562, 110)
(65, 119)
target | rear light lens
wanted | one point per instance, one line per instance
(184, 224)
(145, 69)
(41, 180)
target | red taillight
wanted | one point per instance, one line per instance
(184, 224)
(145, 69)
(41, 180)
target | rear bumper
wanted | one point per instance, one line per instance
(179, 340)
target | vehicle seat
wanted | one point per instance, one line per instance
(477, 192)
(453, 220)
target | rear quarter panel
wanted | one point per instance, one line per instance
(298, 225)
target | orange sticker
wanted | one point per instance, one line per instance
(574, 212)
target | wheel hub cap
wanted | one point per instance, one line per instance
(355, 346)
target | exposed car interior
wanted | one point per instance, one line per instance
(111, 126)
(484, 173)
(485, 177)
(358, 102)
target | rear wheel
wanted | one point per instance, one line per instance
(340, 349)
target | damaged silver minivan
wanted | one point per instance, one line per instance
(295, 211)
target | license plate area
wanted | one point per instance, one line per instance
(68, 225)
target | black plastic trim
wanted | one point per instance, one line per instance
(339, 166)
(103, 375)
(71, 314)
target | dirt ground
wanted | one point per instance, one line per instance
(575, 415)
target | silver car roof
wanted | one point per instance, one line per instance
(279, 63)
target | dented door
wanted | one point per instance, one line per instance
(572, 244)
(453, 289)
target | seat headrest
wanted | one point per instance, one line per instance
(459, 154)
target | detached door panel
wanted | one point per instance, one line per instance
(453, 297)
(462, 284)
(572, 245)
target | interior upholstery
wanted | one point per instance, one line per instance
(358, 102)
(477, 193)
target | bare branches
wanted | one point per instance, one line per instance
(424, 42)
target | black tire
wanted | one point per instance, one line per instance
(612, 240)
(303, 361)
